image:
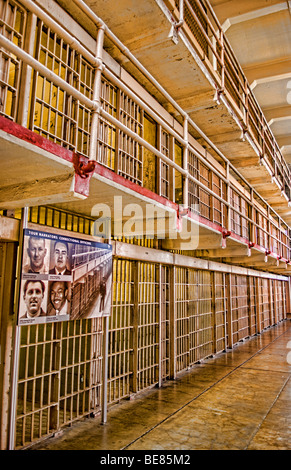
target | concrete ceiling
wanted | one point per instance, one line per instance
(259, 32)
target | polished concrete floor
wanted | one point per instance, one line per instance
(238, 400)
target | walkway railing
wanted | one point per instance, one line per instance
(211, 44)
(70, 96)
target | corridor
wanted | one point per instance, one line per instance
(239, 400)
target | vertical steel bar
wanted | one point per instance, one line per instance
(275, 293)
(105, 369)
(258, 305)
(24, 91)
(160, 324)
(229, 310)
(134, 323)
(213, 280)
(270, 299)
(249, 305)
(289, 296)
(228, 190)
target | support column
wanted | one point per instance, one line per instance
(159, 163)
(258, 306)
(275, 291)
(213, 309)
(289, 297)
(229, 310)
(225, 310)
(96, 96)
(284, 296)
(24, 103)
(228, 217)
(134, 322)
(185, 165)
(271, 302)
(172, 179)
(173, 325)
(249, 305)
(253, 231)
(8, 255)
(105, 369)
(160, 315)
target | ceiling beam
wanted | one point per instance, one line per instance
(252, 15)
(284, 140)
(270, 79)
(280, 119)
(230, 8)
(267, 72)
(278, 112)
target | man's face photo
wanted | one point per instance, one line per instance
(33, 297)
(36, 251)
(60, 256)
(58, 295)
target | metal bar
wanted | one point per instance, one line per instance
(105, 369)
(214, 310)
(160, 315)
(173, 325)
(229, 314)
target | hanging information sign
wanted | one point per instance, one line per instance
(63, 278)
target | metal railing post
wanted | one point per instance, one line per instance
(96, 96)
(185, 165)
